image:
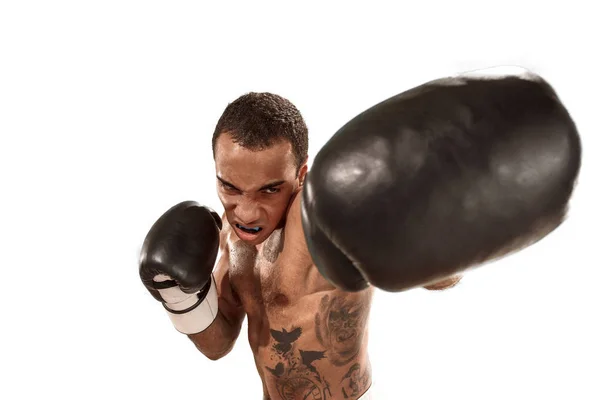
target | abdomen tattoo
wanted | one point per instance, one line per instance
(340, 323)
(296, 376)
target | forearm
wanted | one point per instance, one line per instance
(446, 283)
(218, 339)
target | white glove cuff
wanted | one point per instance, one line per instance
(194, 315)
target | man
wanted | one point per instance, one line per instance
(298, 253)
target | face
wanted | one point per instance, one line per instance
(256, 187)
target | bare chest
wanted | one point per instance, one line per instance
(271, 279)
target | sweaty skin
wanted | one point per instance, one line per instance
(309, 339)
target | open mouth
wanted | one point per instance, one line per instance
(252, 231)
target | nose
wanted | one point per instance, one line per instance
(247, 212)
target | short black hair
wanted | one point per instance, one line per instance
(258, 120)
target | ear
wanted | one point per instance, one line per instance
(302, 171)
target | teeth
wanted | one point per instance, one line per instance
(247, 229)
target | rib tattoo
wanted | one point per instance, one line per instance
(340, 324)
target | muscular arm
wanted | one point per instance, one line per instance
(445, 283)
(218, 339)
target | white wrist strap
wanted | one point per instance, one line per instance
(200, 315)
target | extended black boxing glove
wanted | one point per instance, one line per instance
(176, 263)
(443, 177)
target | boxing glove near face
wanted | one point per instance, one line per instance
(439, 179)
(176, 263)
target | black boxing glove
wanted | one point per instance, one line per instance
(176, 263)
(441, 178)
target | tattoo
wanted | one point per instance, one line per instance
(340, 325)
(285, 339)
(300, 388)
(296, 375)
(355, 382)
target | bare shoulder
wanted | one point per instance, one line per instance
(294, 210)
(296, 249)
(295, 232)
(293, 225)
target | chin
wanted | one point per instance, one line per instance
(254, 242)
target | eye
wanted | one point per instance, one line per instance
(227, 187)
(272, 190)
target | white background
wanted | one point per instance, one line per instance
(106, 115)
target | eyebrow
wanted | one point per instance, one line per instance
(264, 187)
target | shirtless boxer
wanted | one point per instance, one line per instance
(395, 199)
